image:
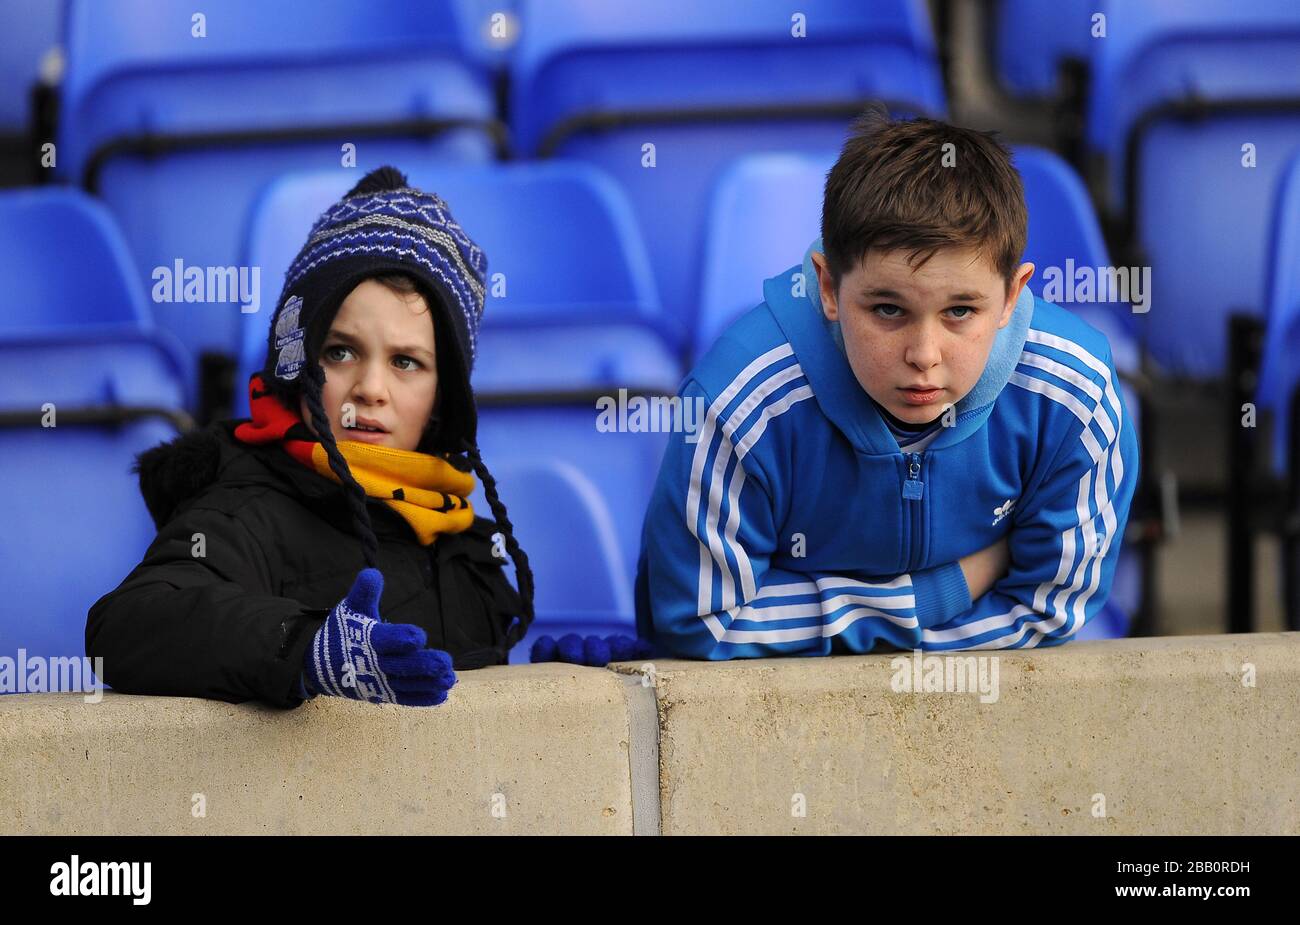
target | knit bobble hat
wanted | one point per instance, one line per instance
(383, 226)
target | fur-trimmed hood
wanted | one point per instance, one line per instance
(174, 473)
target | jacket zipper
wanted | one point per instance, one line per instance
(914, 498)
(913, 495)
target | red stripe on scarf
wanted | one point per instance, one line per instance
(272, 421)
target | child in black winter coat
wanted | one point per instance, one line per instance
(358, 463)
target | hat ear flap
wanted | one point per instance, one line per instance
(455, 411)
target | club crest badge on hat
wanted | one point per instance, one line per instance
(289, 337)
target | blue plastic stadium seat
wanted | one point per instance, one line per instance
(1032, 39)
(69, 276)
(1280, 369)
(564, 526)
(371, 75)
(743, 245)
(1063, 227)
(31, 29)
(77, 524)
(741, 251)
(1201, 215)
(571, 303)
(600, 82)
(75, 240)
(621, 466)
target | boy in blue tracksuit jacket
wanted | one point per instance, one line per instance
(901, 446)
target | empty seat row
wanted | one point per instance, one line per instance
(662, 96)
(568, 276)
(1192, 112)
(180, 133)
(1195, 109)
(88, 383)
(177, 124)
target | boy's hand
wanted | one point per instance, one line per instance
(588, 650)
(358, 656)
(982, 569)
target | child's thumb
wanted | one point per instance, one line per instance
(366, 591)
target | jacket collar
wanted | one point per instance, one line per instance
(173, 472)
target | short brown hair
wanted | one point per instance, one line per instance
(890, 189)
(400, 283)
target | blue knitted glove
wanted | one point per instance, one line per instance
(588, 650)
(355, 654)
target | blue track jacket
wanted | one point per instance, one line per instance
(790, 523)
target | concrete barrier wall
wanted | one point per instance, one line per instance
(1128, 736)
(1181, 735)
(537, 748)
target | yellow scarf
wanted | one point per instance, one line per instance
(431, 494)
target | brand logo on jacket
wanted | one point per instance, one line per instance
(1002, 510)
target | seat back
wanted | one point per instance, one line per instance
(621, 464)
(1031, 39)
(567, 273)
(77, 523)
(178, 132)
(1066, 246)
(1280, 369)
(664, 95)
(65, 264)
(1235, 70)
(762, 214)
(562, 523)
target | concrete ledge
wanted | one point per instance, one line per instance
(1133, 736)
(1162, 729)
(550, 740)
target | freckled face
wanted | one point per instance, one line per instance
(918, 338)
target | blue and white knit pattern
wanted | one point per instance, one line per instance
(404, 224)
(357, 655)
